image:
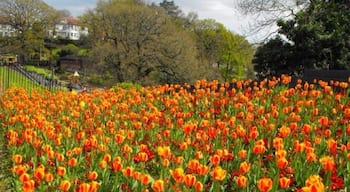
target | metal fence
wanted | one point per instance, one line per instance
(16, 76)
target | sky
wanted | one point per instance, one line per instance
(222, 11)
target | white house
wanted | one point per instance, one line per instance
(69, 28)
(5, 29)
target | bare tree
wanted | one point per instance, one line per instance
(264, 14)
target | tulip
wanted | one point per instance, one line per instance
(218, 173)
(264, 184)
(241, 181)
(158, 185)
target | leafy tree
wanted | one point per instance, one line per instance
(140, 44)
(274, 59)
(30, 20)
(171, 9)
(236, 57)
(219, 47)
(316, 39)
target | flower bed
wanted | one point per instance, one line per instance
(265, 137)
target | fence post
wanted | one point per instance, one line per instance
(8, 76)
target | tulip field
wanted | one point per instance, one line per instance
(253, 136)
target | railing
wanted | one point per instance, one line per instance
(17, 76)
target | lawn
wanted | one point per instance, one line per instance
(12, 78)
(253, 137)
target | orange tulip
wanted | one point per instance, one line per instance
(242, 154)
(94, 185)
(281, 154)
(193, 164)
(164, 151)
(158, 185)
(107, 157)
(39, 173)
(202, 169)
(278, 143)
(328, 163)
(102, 164)
(311, 157)
(119, 138)
(244, 167)
(29, 186)
(19, 169)
(282, 163)
(61, 171)
(189, 180)
(314, 184)
(165, 162)
(24, 177)
(145, 179)
(198, 155)
(177, 174)
(128, 171)
(198, 186)
(215, 160)
(259, 149)
(59, 156)
(49, 177)
(65, 185)
(17, 158)
(241, 181)
(92, 175)
(83, 187)
(284, 131)
(116, 166)
(284, 182)
(72, 162)
(264, 184)
(218, 173)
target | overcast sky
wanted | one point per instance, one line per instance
(222, 11)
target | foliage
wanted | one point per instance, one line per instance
(29, 19)
(317, 38)
(217, 46)
(39, 70)
(137, 43)
(11, 78)
(127, 86)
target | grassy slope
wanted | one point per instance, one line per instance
(10, 78)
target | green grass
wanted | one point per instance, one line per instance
(11, 78)
(40, 70)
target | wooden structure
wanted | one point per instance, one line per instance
(326, 75)
(70, 63)
(8, 59)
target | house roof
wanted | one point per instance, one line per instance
(70, 20)
(3, 20)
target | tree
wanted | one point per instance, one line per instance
(140, 44)
(317, 38)
(265, 13)
(274, 58)
(219, 47)
(29, 19)
(171, 9)
(236, 57)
